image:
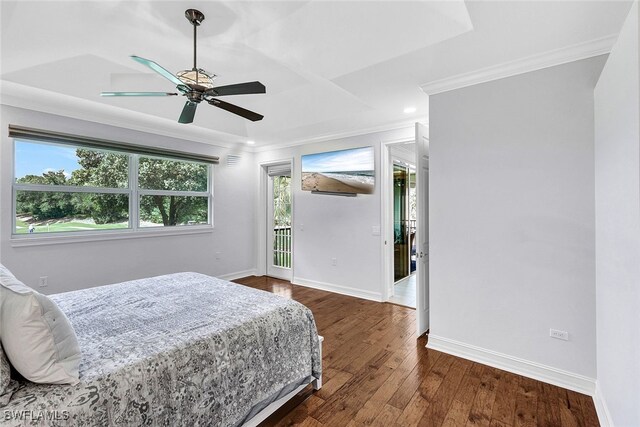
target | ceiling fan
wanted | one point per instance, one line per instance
(197, 84)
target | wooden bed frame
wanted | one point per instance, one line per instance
(264, 414)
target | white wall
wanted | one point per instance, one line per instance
(78, 265)
(617, 172)
(512, 218)
(327, 227)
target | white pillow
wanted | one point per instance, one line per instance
(37, 337)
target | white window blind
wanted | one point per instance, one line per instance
(20, 132)
(279, 170)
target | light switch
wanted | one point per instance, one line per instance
(375, 230)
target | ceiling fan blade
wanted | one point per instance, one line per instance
(237, 89)
(158, 69)
(188, 112)
(137, 94)
(254, 117)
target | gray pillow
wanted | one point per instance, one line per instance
(37, 337)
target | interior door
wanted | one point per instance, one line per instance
(279, 223)
(422, 234)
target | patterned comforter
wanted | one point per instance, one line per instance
(181, 349)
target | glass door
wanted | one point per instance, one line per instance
(279, 224)
(400, 223)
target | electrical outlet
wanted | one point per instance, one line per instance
(561, 335)
(334, 261)
(44, 281)
(218, 255)
(375, 230)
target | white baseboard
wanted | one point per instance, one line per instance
(237, 275)
(338, 289)
(601, 408)
(523, 367)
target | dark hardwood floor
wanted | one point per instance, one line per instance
(377, 373)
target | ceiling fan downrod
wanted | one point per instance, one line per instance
(195, 17)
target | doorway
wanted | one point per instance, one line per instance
(416, 152)
(279, 236)
(404, 227)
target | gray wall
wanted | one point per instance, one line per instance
(617, 171)
(336, 226)
(512, 216)
(78, 265)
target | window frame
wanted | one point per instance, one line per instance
(134, 230)
(134, 166)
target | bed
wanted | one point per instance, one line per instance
(179, 349)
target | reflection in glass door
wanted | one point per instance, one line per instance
(404, 220)
(400, 237)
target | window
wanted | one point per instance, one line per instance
(172, 192)
(73, 188)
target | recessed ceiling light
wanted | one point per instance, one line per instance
(410, 110)
(251, 142)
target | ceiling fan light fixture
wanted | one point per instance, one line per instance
(197, 77)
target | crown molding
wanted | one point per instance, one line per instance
(346, 134)
(527, 64)
(45, 101)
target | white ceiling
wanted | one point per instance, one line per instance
(330, 67)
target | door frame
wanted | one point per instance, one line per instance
(386, 204)
(261, 256)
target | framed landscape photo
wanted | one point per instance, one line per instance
(350, 171)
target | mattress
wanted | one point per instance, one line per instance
(179, 349)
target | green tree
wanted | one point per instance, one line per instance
(111, 170)
(282, 201)
(100, 169)
(45, 205)
(160, 174)
(173, 210)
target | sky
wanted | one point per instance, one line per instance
(357, 159)
(35, 159)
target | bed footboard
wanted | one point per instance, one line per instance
(317, 383)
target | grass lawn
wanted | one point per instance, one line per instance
(23, 228)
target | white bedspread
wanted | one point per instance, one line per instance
(181, 349)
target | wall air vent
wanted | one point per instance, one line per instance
(233, 160)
